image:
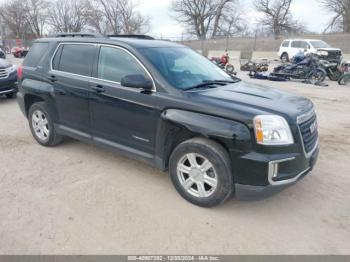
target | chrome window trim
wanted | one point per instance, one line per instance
(154, 90)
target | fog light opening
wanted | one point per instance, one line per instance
(274, 170)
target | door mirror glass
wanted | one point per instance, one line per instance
(137, 81)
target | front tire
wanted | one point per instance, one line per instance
(200, 170)
(41, 125)
(344, 80)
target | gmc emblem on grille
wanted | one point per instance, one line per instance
(313, 127)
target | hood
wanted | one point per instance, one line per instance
(256, 99)
(328, 49)
(4, 63)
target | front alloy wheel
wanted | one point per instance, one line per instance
(197, 175)
(200, 170)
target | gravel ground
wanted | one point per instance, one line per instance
(77, 199)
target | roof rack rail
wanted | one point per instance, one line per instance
(146, 37)
(79, 34)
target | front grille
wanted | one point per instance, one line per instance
(3, 73)
(309, 138)
(334, 54)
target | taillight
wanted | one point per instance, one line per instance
(19, 72)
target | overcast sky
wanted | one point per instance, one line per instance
(307, 11)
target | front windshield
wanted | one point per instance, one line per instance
(182, 67)
(319, 44)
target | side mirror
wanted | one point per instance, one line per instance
(137, 81)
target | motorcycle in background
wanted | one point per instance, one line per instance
(224, 63)
(309, 69)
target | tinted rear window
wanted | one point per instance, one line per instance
(296, 44)
(36, 52)
(75, 59)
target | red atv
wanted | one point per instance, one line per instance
(223, 63)
(19, 52)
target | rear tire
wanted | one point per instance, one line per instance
(200, 170)
(285, 58)
(318, 76)
(41, 125)
(230, 69)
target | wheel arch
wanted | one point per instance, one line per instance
(177, 126)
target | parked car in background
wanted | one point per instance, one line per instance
(8, 79)
(167, 105)
(19, 52)
(290, 47)
(2, 54)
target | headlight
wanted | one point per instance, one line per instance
(322, 53)
(272, 130)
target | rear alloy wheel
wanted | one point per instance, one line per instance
(41, 125)
(200, 170)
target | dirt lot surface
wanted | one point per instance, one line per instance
(77, 199)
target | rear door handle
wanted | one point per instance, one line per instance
(99, 89)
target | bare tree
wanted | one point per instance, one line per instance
(341, 19)
(117, 16)
(207, 18)
(277, 16)
(13, 15)
(68, 15)
(36, 15)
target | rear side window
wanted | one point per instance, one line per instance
(296, 44)
(36, 52)
(75, 59)
(285, 44)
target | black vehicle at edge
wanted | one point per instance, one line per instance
(163, 103)
(8, 79)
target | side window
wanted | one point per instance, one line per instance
(305, 45)
(115, 63)
(296, 44)
(57, 58)
(75, 59)
(285, 44)
(36, 52)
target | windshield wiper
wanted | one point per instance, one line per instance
(210, 84)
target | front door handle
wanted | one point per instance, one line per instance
(99, 89)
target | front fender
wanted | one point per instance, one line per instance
(177, 126)
(209, 126)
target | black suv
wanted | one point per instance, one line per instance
(167, 105)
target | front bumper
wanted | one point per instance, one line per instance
(8, 85)
(279, 177)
